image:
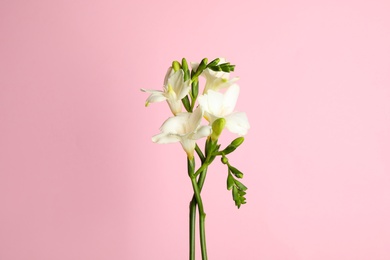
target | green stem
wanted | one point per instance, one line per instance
(192, 228)
(202, 217)
(198, 186)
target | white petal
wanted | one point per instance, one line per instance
(212, 102)
(237, 123)
(202, 131)
(194, 66)
(194, 120)
(167, 75)
(177, 81)
(230, 99)
(151, 90)
(155, 97)
(164, 138)
(176, 124)
(185, 90)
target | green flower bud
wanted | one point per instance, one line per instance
(176, 65)
(236, 172)
(195, 88)
(237, 142)
(233, 145)
(213, 63)
(240, 186)
(217, 127)
(230, 182)
(185, 69)
(184, 64)
(201, 67)
(224, 160)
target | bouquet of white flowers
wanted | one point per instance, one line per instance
(216, 104)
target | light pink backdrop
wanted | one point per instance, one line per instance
(81, 179)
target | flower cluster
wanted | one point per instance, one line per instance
(218, 100)
(216, 104)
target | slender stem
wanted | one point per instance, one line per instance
(192, 228)
(193, 204)
(202, 216)
(200, 154)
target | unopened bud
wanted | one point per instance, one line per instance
(176, 65)
(214, 62)
(237, 142)
(218, 127)
(224, 160)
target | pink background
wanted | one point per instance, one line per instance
(81, 179)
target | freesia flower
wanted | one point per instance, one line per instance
(221, 105)
(216, 80)
(184, 128)
(175, 88)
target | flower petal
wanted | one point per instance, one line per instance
(167, 75)
(212, 102)
(203, 131)
(185, 90)
(237, 123)
(176, 124)
(155, 97)
(194, 120)
(151, 90)
(230, 99)
(164, 138)
(176, 81)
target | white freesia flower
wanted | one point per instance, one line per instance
(216, 80)
(175, 88)
(221, 105)
(184, 128)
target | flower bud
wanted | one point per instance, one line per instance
(176, 65)
(217, 127)
(224, 160)
(230, 182)
(214, 62)
(184, 66)
(233, 145)
(237, 142)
